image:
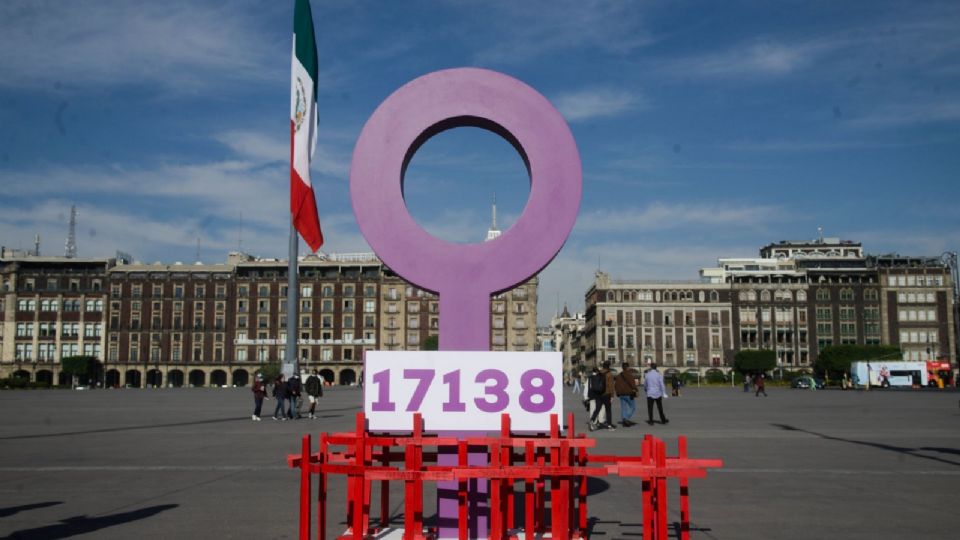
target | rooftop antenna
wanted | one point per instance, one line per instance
(494, 231)
(71, 248)
(240, 235)
(198, 249)
(36, 245)
(820, 234)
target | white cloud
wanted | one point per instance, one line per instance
(598, 102)
(176, 45)
(521, 31)
(660, 216)
(762, 58)
(901, 114)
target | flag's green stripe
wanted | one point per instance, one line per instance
(306, 47)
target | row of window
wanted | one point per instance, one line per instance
(918, 336)
(47, 352)
(53, 284)
(909, 315)
(612, 340)
(669, 319)
(52, 304)
(661, 296)
(50, 329)
(914, 281)
(914, 298)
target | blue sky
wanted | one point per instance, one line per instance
(706, 129)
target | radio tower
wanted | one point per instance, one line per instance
(71, 250)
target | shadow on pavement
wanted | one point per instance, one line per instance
(126, 428)
(11, 510)
(83, 524)
(914, 452)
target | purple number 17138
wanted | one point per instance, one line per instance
(383, 403)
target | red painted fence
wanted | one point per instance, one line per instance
(549, 467)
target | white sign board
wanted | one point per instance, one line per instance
(462, 390)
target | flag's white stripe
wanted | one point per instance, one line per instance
(305, 140)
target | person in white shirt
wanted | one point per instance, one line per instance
(656, 392)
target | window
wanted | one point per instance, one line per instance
(871, 295)
(24, 351)
(369, 306)
(823, 294)
(846, 295)
(824, 314)
(348, 290)
(263, 290)
(306, 291)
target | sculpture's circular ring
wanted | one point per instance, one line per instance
(455, 98)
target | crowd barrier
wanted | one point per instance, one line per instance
(551, 468)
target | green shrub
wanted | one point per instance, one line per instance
(715, 377)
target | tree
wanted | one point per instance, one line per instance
(431, 343)
(80, 368)
(835, 360)
(270, 371)
(754, 361)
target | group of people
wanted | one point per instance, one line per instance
(602, 385)
(289, 396)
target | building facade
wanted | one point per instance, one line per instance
(216, 324)
(796, 298)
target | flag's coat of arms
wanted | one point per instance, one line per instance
(299, 105)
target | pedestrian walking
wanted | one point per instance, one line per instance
(604, 399)
(577, 387)
(746, 383)
(758, 382)
(656, 392)
(675, 385)
(314, 389)
(280, 394)
(294, 389)
(625, 385)
(259, 392)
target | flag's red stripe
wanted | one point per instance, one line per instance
(303, 205)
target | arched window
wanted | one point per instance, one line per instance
(801, 296)
(714, 296)
(823, 294)
(764, 295)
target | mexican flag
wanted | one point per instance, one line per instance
(303, 126)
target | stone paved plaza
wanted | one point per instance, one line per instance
(189, 463)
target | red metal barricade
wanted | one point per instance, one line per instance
(550, 467)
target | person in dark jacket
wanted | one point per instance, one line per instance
(259, 392)
(759, 384)
(293, 395)
(280, 394)
(604, 399)
(625, 385)
(314, 390)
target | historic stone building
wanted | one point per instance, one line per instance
(796, 298)
(681, 325)
(215, 324)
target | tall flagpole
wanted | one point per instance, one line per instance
(291, 363)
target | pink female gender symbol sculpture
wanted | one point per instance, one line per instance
(465, 275)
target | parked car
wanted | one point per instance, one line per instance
(806, 382)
